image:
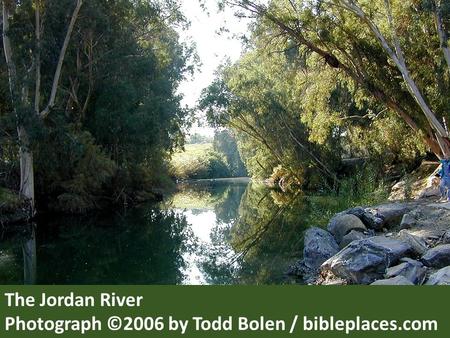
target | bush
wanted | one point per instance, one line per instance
(199, 161)
(73, 177)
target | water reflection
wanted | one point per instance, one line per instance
(241, 234)
(29, 257)
(141, 247)
(209, 233)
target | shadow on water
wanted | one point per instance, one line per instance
(207, 233)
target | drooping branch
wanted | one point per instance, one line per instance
(395, 53)
(397, 57)
(297, 35)
(62, 54)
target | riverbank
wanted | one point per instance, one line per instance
(13, 210)
(400, 243)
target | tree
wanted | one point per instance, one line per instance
(353, 38)
(259, 98)
(19, 80)
(113, 106)
(225, 143)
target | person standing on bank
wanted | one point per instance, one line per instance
(444, 174)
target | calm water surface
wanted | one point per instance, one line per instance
(226, 232)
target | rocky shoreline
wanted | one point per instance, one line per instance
(399, 243)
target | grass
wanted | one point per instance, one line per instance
(192, 154)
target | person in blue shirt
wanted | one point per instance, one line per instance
(444, 174)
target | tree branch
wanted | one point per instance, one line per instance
(62, 54)
(12, 70)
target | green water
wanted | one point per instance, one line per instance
(225, 232)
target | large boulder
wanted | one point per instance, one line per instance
(381, 216)
(418, 244)
(391, 213)
(440, 277)
(369, 219)
(319, 245)
(408, 220)
(446, 237)
(353, 235)
(364, 261)
(340, 225)
(372, 220)
(398, 280)
(437, 257)
(394, 248)
(410, 269)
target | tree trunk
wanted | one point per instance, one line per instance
(25, 154)
(26, 169)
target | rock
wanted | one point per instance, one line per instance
(353, 235)
(437, 257)
(398, 280)
(385, 215)
(429, 192)
(392, 213)
(446, 237)
(334, 281)
(366, 260)
(357, 211)
(411, 269)
(418, 245)
(440, 277)
(394, 248)
(319, 246)
(371, 220)
(408, 221)
(340, 225)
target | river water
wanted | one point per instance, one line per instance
(211, 232)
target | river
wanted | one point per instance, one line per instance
(210, 232)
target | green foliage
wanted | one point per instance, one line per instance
(315, 87)
(199, 161)
(205, 160)
(117, 116)
(259, 98)
(86, 175)
(225, 143)
(365, 187)
(9, 201)
(198, 138)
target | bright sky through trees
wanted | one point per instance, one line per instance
(211, 47)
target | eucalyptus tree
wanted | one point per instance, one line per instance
(94, 96)
(396, 52)
(22, 52)
(260, 97)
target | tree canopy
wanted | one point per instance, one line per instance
(103, 127)
(333, 79)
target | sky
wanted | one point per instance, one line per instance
(212, 49)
